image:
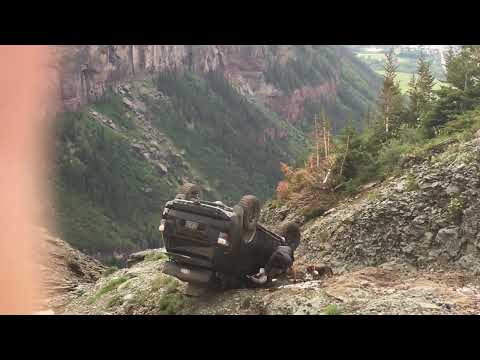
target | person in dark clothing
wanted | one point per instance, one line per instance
(282, 258)
(291, 233)
(280, 261)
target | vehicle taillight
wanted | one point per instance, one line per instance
(162, 225)
(223, 239)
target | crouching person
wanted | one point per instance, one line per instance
(282, 258)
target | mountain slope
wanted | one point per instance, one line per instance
(144, 119)
(410, 247)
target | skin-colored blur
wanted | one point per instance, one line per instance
(26, 89)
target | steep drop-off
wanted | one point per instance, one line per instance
(141, 120)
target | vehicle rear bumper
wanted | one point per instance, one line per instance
(188, 273)
(191, 261)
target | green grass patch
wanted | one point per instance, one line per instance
(171, 304)
(116, 300)
(373, 195)
(171, 300)
(155, 256)
(168, 283)
(332, 309)
(108, 287)
(112, 285)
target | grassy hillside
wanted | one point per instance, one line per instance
(107, 197)
(407, 65)
(219, 130)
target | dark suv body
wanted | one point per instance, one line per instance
(206, 242)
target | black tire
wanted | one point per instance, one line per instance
(251, 214)
(190, 191)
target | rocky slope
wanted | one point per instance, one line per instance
(427, 217)
(388, 289)
(63, 270)
(408, 245)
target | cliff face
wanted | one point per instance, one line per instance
(91, 68)
(88, 70)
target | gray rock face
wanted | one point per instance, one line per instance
(449, 238)
(452, 189)
(470, 262)
(446, 235)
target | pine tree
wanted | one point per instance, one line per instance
(391, 103)
(413, 97)
(463, 67)
(449, 56)
(425, 84)
(368, 118)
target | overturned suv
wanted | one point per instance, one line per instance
(213, 244)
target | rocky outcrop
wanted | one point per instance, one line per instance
(154, 146)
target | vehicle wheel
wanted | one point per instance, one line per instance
(251, 214)
(190, 191)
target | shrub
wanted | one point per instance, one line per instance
(111, 285)
(455, 209)
(170, 304)
(154, 256)
(332, 309)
